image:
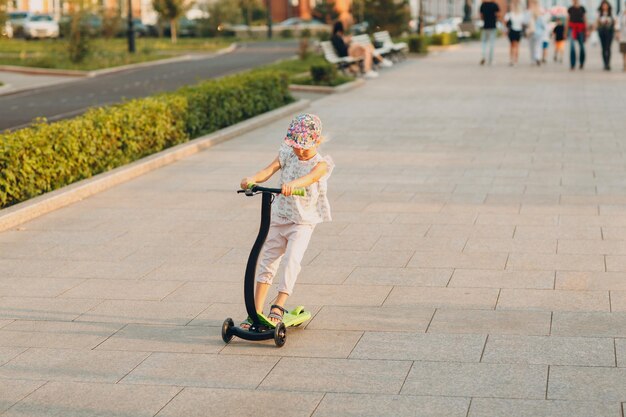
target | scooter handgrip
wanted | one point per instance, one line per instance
(300, 192)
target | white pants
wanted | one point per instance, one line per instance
(288, 240)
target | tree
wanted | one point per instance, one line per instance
(391, 15)
(170, 10)
(325, 11)
(4, 6)
(224, 11)
(79, 44)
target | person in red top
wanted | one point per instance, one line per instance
(577, 26)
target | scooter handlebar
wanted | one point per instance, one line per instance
(253, 188)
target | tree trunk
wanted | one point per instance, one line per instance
(173, 30)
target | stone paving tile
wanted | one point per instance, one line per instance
(27, 308)
(194, 256)
(383, 258)
(122, 289)
(592, 247)
(367, 405)
(481, 278)
(390, 319)
(38, 268)
(517, 219)
(553, 300)
(560, 262)
(601, 221)
(581, 383)
(618, 300)
(151, 338)
(337, 375)
(436, 297)
(192, 370)
(420, 277)
(558, 232)
(320, 274)
(89, 399)
(549, 350)
(484, 231)
(108, 270)
(342, 242)
(461, 379)
(496, 407)
(620, 352)
(422, 244)
(551, 209)
(71, 365)
(36, 287)
(616, 263)
(590, 281)
(56, 334)
(30, 251)
(300, 343)
(589, 324)
(436, 218)
(171, 271)
(403, 207)
(491, 322)
(490, 245)
(458, 260)
(207, 292)
(239, 256)
(13, 390)
(423, 347)
(8, 353)
(339, 295)
(110, 253)
(396, 230)
(194, 402)
(614, 233)
(144, 312)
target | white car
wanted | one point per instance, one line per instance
(41, 26)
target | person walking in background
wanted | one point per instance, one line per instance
(489, 13)
(621, 26)
(577, 32)
(547, 33)
(605, 25)
(515, 23)
(536, 28)
(559, 40)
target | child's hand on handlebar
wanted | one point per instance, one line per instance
(288, 189)
(245, 182)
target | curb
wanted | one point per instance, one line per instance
(320, 89)
(35, 207)
(104, 71)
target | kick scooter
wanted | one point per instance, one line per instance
(261, 328)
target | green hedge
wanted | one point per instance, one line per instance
(444, 39)
(418, 44)
(45, 157)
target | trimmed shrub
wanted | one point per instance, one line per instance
(45, 157)
(418, 44)
(444, 39)
(323, 74)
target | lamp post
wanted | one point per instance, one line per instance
(131, 30)
(269, 19)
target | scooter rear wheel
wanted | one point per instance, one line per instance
(280, 334)
(227, 336)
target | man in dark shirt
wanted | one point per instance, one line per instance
(577, 28)
(489, 12)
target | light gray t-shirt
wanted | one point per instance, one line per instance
(314, 207)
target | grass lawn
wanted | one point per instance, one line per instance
(105, 53)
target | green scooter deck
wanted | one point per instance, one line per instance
(295, 317)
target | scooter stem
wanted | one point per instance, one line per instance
(248, 286)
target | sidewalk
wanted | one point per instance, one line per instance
(475, 266)
(19, 82)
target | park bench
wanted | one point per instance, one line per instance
(343, 63)
(397, 48)
(366, 41)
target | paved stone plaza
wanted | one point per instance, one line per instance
(476, 265)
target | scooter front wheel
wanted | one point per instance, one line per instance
(280, 334)
(227, 335)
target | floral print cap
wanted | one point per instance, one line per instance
(305, 131)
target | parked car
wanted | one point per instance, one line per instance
(6, 31)
(41, 26)
(298, 23)
(139, 28)
(449, 25)
(17, 20)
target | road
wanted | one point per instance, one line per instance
(60, 101)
